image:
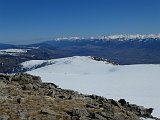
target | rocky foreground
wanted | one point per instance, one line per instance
(26, 97)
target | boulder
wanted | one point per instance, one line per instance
(4, 117)
(122, 101)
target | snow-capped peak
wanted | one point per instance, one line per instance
(69, 38)
(115, 37)
(130, 36)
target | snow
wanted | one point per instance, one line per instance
(33, 47)
(120, 37)
(138, 84)
(33, 63)
(146, 119)
(69, 38)
(13, 51)
(130, 36)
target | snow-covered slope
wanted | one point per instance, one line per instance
(34, 64)
(138, 84)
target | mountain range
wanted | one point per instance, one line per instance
(119, 49)
(117, 66)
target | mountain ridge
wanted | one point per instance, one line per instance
(119, 51)
(115, 37)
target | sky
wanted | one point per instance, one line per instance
(31, 21)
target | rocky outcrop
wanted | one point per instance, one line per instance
(103, 60)
(26, 97)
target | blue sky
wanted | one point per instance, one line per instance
(30, 21)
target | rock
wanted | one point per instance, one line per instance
(99, 117)
(78, 112)
(24, 78)
(122, 101)
(2, 85)
(81, 112)
(25, 97)
(4, 77)
(74, 118)
(47, 111)
(4, 117)
(49, 85)
(27, 87)
(90, 106)
(150, 110)
(84, 118)
(22, 115)
(61, 96)
(19, 100)
(115, 103)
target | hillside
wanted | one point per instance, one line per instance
(26, 97)
(136, 83)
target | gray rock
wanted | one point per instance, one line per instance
(80, 112)
(115, 103)
(47, 111)
(84, 118)
(99, 117)
(4, 117)
(22, 115)
(74, 118)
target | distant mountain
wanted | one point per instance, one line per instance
(117, 37)
(119, 49)
(6, 46)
